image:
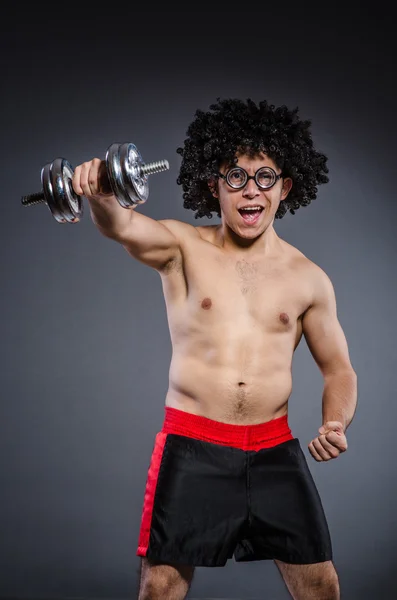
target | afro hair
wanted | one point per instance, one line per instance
(232, 126)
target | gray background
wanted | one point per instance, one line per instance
(85, 343)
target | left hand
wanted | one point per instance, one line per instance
(330, 443)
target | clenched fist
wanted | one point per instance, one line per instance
(330, 443)
(91, 180)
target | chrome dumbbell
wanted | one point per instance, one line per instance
(127, 173)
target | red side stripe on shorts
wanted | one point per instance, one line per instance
(150, 490)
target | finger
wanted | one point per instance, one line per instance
(328, 447)
(314, 453)
(339, 441)
(85, 169)
(76, 181)
(320, 450)
(92, 177)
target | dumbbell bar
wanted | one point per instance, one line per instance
(127, 173)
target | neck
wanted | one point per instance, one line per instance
(266, 243)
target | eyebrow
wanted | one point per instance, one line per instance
(261, 167)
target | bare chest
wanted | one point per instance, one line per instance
(215, 288)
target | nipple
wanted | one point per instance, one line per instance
(284, 318)
(206, 303)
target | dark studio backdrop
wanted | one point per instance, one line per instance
(85, 342)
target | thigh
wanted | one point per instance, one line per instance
(164, 580)
(317, 580)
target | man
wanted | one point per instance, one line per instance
(226, 476)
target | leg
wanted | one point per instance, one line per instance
(318, 581)
(164, 581)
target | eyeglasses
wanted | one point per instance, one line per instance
(237, 177)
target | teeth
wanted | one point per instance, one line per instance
(251, 208)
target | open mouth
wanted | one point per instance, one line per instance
(251, 215)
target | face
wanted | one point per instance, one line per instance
(237, 204)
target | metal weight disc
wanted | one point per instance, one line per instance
(115, 176)
(123, 163)
(61, 174)
(51, 200)
(136, 184)
(65, 205)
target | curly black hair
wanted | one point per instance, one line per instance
(232, 125)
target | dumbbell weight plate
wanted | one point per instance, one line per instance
(114, 173)
(135, 183)
(52, 203)
(65, 205)
(123, 163)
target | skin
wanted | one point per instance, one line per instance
(238, 299)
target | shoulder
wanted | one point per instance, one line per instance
(309, 271)
(180, 229)
(185, 231)
(298, 258)
(320, 283)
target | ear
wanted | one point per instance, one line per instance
(212, 185)
(287, 185)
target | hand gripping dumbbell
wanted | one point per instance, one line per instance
(127, 173)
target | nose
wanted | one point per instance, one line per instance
(251, 189)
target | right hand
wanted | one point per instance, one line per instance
(90, 179)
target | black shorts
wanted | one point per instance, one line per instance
(216, 490)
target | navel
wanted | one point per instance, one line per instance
(206, 303)
(284, 318)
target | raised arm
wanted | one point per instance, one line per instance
(154, 243)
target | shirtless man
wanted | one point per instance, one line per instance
(226, 476)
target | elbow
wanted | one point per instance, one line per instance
(352, 373)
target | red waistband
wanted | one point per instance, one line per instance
(245, 437)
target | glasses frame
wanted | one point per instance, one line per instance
(248, 177)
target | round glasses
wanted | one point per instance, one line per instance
(237, 177)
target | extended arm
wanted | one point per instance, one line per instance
(154, 243)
